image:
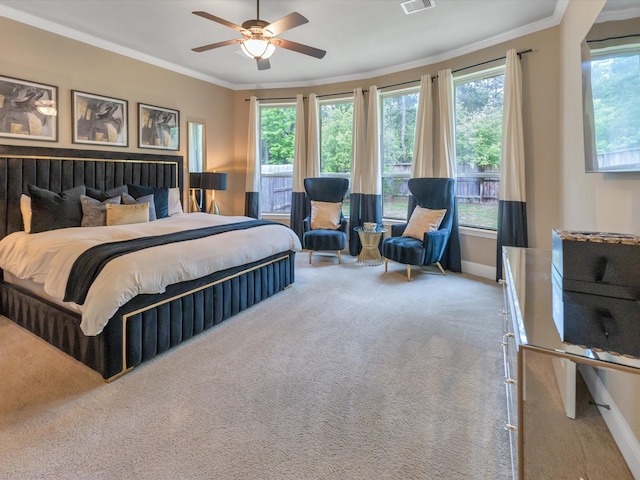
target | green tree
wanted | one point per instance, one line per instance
(277, 135)
(616, 102)
(336, 137)
(479, 106)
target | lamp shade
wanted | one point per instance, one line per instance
(195, 180)
(213, 181)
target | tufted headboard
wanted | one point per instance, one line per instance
(59, 169)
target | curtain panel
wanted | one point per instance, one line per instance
(366, 173)
(422, 165)
(512, 207)
(298, 209)
(252, 187)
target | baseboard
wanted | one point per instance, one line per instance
(618, 426)
(479, 270)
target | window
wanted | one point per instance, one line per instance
(398, 114)
(478, 132)
(615, 84)
(336, 145)
(277, 141)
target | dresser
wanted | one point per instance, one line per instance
(528, 316)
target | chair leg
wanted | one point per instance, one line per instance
(339, 257)
(441, 269)
(310, 252)
(408, 272)
(386, 264)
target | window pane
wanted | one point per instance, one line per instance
(478, 112)
(336, 132)
(277, 141)
(398, 134)
(615, 83)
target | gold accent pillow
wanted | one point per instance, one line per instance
(423, 220)
(325, 215)
(127, 214)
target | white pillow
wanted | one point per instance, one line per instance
(175, 206)
(25, 210)
(423, 220)
(325, 215)
(127, 214)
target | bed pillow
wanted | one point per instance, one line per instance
(94, 212)
(25, 210)
(175, 206)
(148, 199)
(51, 211)
(423, 220)
(127, 214)
(111, 193)
(160, 197)
(325, 215)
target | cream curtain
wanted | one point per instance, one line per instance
(313, 138)
(446, 140)
(423, 144)
(252, 187)
(366, 179)
(512, 208)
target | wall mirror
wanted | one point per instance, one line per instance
(196, 160)
(611, 89)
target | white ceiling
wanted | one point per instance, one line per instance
(363, 38)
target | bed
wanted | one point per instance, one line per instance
(141, 325)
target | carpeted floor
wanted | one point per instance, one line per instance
(349, 374)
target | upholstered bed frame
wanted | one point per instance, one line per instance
(148, 324)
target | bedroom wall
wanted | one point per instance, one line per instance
(541, 126)
(32, 54)
(594, 201)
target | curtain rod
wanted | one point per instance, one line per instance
(407, 82)
(632, 35)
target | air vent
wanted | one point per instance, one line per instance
(413, 6)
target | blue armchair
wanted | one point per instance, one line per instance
(433, 194)
(334, 238)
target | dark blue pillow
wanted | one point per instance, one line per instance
(160, 197)
(51, 211)
(102, 196)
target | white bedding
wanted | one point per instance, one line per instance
(46, 258)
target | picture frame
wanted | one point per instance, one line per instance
(158, 127)
(99, 120)
(28, 110)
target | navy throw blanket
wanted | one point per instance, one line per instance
(91, 262)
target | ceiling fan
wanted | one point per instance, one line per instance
(259, 37)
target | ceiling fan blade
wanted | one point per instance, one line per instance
(286, 23)
(211, 46)
(219, 20)
(263, 64)
(299, 47)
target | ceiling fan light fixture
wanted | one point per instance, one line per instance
(257, 48)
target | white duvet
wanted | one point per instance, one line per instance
(47, 258)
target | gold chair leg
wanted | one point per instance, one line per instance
(310, 252)
(441, 269)
(386, 264)
(339, 257)
(408, 272)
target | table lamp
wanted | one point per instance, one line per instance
(195, 179)
(213, 181)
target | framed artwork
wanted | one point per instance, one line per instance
(158, 127)
(28, 110)
(99, 120)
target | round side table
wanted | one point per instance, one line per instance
(370, 239)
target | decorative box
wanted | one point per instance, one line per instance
(596, 288)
